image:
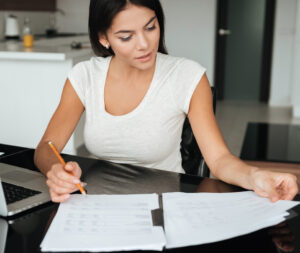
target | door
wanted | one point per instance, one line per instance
(243, 49)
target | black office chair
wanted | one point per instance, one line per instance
(192, 160)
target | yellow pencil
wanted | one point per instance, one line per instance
(64, 164)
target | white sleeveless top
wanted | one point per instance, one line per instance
(150, 135)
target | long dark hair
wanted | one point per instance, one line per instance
(101, 16)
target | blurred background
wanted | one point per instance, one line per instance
(250, 48)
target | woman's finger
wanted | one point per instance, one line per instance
(286, 185)
(268, 190)
(62, 183)
(58, 189)
(74, 168)
(59, 175)
(275, 185)
(64, 175)
(58, 198)
(291, 188)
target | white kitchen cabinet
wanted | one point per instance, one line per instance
(30, 88)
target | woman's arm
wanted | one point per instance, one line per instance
(59, 130)
(221, 162)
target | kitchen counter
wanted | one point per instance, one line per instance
(54, 49)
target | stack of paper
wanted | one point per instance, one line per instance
(193, 218)
(124, 222)
(105, 223)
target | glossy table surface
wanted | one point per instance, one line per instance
(272, 142)
(26, 230)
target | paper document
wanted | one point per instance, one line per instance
(124, 222)
(105, 223)
(211, 217)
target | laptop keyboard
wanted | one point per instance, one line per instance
(15, 193)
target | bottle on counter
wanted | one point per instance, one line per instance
(27, 34)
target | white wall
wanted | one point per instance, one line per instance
(75, 17)
(283, 51)
(190, 30)
(296, 67)
(285, 77)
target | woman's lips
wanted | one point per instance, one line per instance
(145, 58)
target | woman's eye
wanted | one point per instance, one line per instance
(125, 38)
(151, 28)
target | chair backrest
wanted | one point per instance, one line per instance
(192, 159)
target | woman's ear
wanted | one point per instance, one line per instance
(103, 41)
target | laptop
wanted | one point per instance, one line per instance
(21, 189)
(3, 234)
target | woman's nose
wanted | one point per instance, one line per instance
(142, 42)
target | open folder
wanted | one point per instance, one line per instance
(124, 222)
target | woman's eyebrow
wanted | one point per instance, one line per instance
(130, 31)
(151, 19)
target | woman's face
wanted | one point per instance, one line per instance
(134, 36)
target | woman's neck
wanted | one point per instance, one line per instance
(121, 70)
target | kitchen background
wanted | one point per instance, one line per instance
(196, 42)
(199, 15)
(71, 17)
(190, 32)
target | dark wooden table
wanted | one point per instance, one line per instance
(25, 231)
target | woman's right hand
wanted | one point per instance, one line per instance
(61, 182)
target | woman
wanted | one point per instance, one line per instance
(136, 98)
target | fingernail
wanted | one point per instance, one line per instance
(67, 196)
(274, 199)
(76, 181)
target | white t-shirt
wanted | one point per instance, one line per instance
(150, 135)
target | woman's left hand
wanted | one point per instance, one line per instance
(274, 185)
